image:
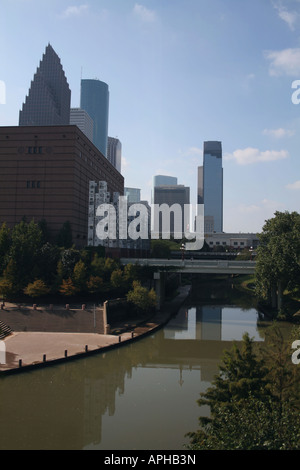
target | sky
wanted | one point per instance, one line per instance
(180, 72)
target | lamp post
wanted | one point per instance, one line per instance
(182, 248)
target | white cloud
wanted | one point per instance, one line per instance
(289, 17)
(251, 155)
(294, 186)
(278, 133)
(250, 217)
(285, 62)
(73, 10)
(144, 14)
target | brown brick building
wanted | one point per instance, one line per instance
(45, 173)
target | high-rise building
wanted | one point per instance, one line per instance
(210, 186)
(94, 99)
(49, 97)
(114, 152)
(177, 220)
(162, 180)
(80, 118)
(133, 194)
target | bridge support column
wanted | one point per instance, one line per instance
(159, 280)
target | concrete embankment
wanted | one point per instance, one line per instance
(23, 351)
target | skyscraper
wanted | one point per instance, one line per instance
(49, 97)
(80, 118)
(210, 186)
(114, 152)
(175, 197)
(94, 99)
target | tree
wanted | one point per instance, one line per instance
(116, 279)
(143, 299)
(26, 241)
(67, 287)
(250, 424)
(37, 288)
(253, 401)
(95, 284)
(64, 237)
(241, 375)
(278, 257)
(5, 242)
(80, 276)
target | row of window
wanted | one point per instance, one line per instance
(225, 243)
(35, 150)
(33, 184)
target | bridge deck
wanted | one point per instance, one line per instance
(196, 266)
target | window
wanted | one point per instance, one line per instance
(35, 150)
(33, 184)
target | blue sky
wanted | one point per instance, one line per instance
(179, 72)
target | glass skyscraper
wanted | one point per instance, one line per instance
(49, 97)
(94, 100)
(210, 186)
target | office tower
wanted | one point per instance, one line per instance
(178, 220)
(94, 99)
(133, 195)
(80, 118)
(49, 97)
(162, 180)
(114, 152)
(45, 173)
(210, 186)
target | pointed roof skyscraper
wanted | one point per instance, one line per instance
(49, 98)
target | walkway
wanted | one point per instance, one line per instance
(39, 349)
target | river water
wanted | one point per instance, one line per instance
(141, 396)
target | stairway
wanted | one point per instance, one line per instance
(4, 330)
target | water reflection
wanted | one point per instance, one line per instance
(142, 396)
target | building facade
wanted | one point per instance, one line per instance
(117, 217)
(49, 97)
(210, 186)
(45, 173)
(114, 152)
(173, 197)
(80, 118)
(94, 99)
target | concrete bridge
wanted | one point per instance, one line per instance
(195, 266)
(165, 266)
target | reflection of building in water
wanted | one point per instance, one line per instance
(209, 322)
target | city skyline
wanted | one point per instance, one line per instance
(181, 74)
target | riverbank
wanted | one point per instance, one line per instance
(24, 351)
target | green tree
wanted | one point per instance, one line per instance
(116, 279)
(241, 375)
(253, 400)
(5, 242)
(26, 241)
(278, 257)
(80, 276)
(95, 284)
(250, 424)
(143, 299)
(38, 288)
(64, 237)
